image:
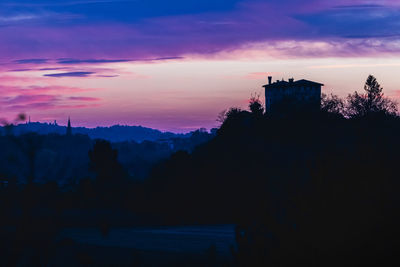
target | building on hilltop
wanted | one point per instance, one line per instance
(295, 94)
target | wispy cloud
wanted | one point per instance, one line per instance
(44, 98)
(106, 61)
(24, 102)
(32, 61)
(83, 98)
(359, 6)
(21, 70)
(354, 21)
(90, 61)
(16, 18)
(70, 74)
(168, 58)
(48, 69)
(107, 76)
(15, 90)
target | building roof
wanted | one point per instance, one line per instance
(280, 84)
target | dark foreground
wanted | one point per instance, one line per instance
(302, 189)
(155, 246)
(138, 246)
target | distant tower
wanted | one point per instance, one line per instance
(69, 129)
(29, 122)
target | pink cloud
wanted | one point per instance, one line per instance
(11, 79)
(78, 106)
(38, 90)
(83, 98)
(36, 98)
(29, 102)
(27, 99)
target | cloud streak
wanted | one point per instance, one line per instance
(70, 74)
(39, 98)
(90, 61)
(32, 61)
(46, 102)
(83, 98)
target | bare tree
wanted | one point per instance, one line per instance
(332, 104)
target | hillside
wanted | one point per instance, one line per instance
(116, 133)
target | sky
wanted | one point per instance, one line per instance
(175, 65)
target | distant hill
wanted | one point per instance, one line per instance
(116, 133)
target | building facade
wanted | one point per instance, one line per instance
(291, 94)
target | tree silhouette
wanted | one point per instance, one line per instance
(255, 106)
(29, 144)
(32, 146)
(332, 104)
(231, 113)
(221, 116)
(110, 176)
(371, 102)
(8, 127)
(104, 161)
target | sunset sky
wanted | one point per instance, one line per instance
(174, 65)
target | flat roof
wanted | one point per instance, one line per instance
(286, 83)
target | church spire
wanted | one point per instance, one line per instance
(69, 129)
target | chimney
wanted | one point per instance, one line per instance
(269, 79)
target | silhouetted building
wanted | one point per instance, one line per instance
(69, 129)
(301, 93)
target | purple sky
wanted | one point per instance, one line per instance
(175, 65)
